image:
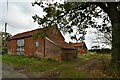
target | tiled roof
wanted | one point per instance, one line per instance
(56, 39)
(24, 34)
(61, 43)
(78, 44)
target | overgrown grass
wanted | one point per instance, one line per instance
(65, 69)
(36, 65)
(28, 63)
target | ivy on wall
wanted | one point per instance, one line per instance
(37, 35)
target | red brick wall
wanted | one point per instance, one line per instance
(12, 46)
(82, 51)
(51, 50)
(68, 54)
(54, 34)
(39, 52)
(29, 47)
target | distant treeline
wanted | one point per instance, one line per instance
(101, 50)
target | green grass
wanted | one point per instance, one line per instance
(30, 64)
(0, 57)
(65, 69)
(35, 65)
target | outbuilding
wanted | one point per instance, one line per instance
(80, 46)
(49, 44)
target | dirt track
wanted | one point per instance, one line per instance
(8, 72)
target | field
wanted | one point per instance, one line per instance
(89, 65)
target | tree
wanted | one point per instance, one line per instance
(102, 39)
(81, 14)
(4, 42)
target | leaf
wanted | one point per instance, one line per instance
(73, 37)
(70, 31)
(72, 14)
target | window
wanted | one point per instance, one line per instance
(36, 44)
(20, 46)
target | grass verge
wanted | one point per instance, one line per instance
(43, 66)
(85, 66)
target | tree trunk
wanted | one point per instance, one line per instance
(114, 15)
(116, 44)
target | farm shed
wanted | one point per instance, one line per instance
(50, 45)
(80, 46)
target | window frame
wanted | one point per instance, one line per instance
(20, 46)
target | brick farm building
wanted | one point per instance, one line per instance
(80, 46)
(51, 44)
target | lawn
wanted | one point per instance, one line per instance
(85, 66)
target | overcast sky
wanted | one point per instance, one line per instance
(19, 18)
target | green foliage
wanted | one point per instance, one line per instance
(83, 15)
(69, 14)
(35, 36)
(70, 72)
(17, 60)
(43, 35)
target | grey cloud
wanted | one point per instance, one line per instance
(19, 17)
(28, 9)
(25, 7)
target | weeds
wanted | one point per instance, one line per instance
(87, 65)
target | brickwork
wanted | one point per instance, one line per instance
(12, 47)
(81, 47)
(69, 54)
(54, 45)
(51, 50)
(29, 46)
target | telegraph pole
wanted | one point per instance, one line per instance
(4, 51)
(7, 21)
(5, 40)
(5, 29)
